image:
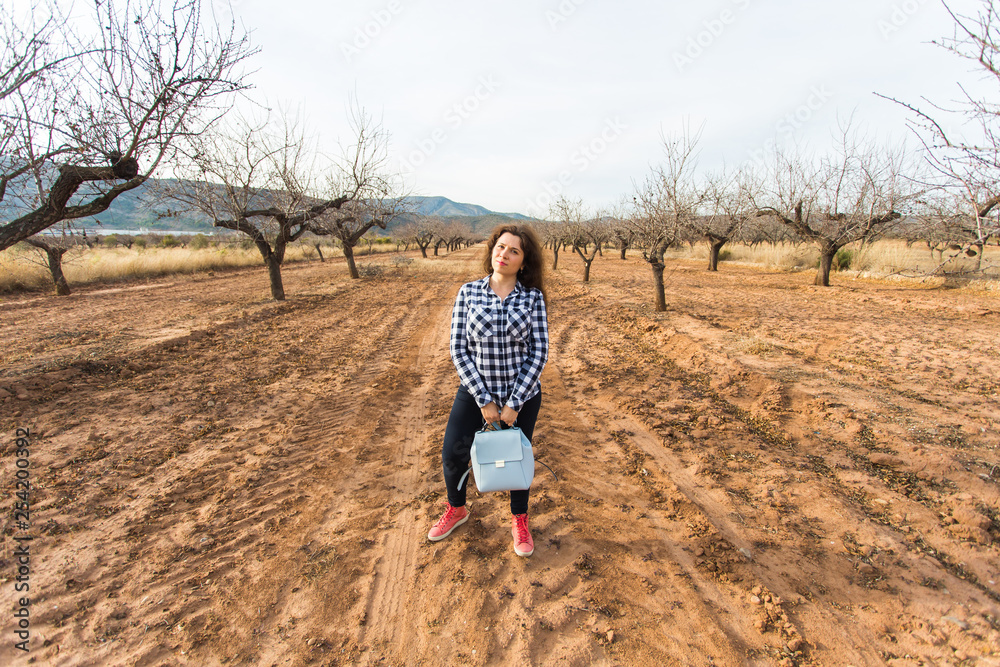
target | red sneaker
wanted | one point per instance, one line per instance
(523, 544)
(452, 518)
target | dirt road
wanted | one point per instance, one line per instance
(767, 473)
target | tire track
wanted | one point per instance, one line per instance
(833, 489)
(345, 428)
(601, 417)
(832, 450)
(389, 605)
(270, 481)
(714, 505)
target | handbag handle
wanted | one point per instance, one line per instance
(466, 475)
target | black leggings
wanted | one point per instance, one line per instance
(466, 418)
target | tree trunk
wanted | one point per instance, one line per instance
(587, 261)
(624, 248)
(320, 251)
(55, 256)
(349, 256)
(423, 251)
(555, 254)
(660, 296)
(713, 255)
(827, 253)
(272, 260)
(274, 273)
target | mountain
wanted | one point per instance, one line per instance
(446, 208)
(135, 210)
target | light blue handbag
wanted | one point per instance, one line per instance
(502, 460)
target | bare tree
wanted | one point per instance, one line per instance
(317, 245)
(729, 204)
(966, 157)
(768, 230)
(374, 196)
(455, 233)
(554, 235)
(420, 232)
(565, 214)
(52, 249)
(949, 225)
(424, 233)
(621, 231)
(583, 231)
(257, 177)
(33, 61)
(369, 239)
(439, 226)
(664, 204)
(856, 193)
(108, 113)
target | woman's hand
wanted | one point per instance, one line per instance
(491, 413)
(509, 415)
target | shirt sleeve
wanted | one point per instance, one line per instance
(468, 374)
(538, 354)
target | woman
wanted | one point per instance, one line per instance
(499, 343)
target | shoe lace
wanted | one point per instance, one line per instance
(521, 523)
(446, 517)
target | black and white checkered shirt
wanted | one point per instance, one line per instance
(499, 347)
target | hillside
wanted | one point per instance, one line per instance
(136, 210)
(446, 208)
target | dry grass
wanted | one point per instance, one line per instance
(884, 259)
(784, 256)
(754, 345)
(436, 266)
(24, 269)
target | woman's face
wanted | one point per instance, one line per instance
(507, 255)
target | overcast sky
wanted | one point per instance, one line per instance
(506, 104)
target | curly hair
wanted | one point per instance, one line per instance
(531, 273)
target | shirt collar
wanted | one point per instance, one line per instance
(485, 286)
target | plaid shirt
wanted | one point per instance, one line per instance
(499, 347)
